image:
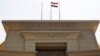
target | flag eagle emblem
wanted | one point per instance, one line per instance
(54, 4)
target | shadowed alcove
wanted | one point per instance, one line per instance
(51, 49)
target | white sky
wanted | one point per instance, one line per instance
(31, 10)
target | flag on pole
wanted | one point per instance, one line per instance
(54, 4)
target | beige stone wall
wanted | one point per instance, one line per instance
(87, 41)
(82, 53)
(72, 45)
(16, 41)
(15, 53)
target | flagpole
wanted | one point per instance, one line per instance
(41, 10)
(59, 11)
(50, 12)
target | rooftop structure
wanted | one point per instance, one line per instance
(43, 38)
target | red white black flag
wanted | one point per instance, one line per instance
(54, 4)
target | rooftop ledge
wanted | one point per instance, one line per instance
(50, 25)
(50, 20)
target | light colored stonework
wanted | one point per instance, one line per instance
(27, 36)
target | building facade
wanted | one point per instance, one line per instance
(50, 38)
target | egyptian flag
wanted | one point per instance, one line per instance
(54, 4)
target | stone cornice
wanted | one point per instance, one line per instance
(28, 25)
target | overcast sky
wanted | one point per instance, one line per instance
(31, 10)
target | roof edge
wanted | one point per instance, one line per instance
(50, 20)
(79, 21)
